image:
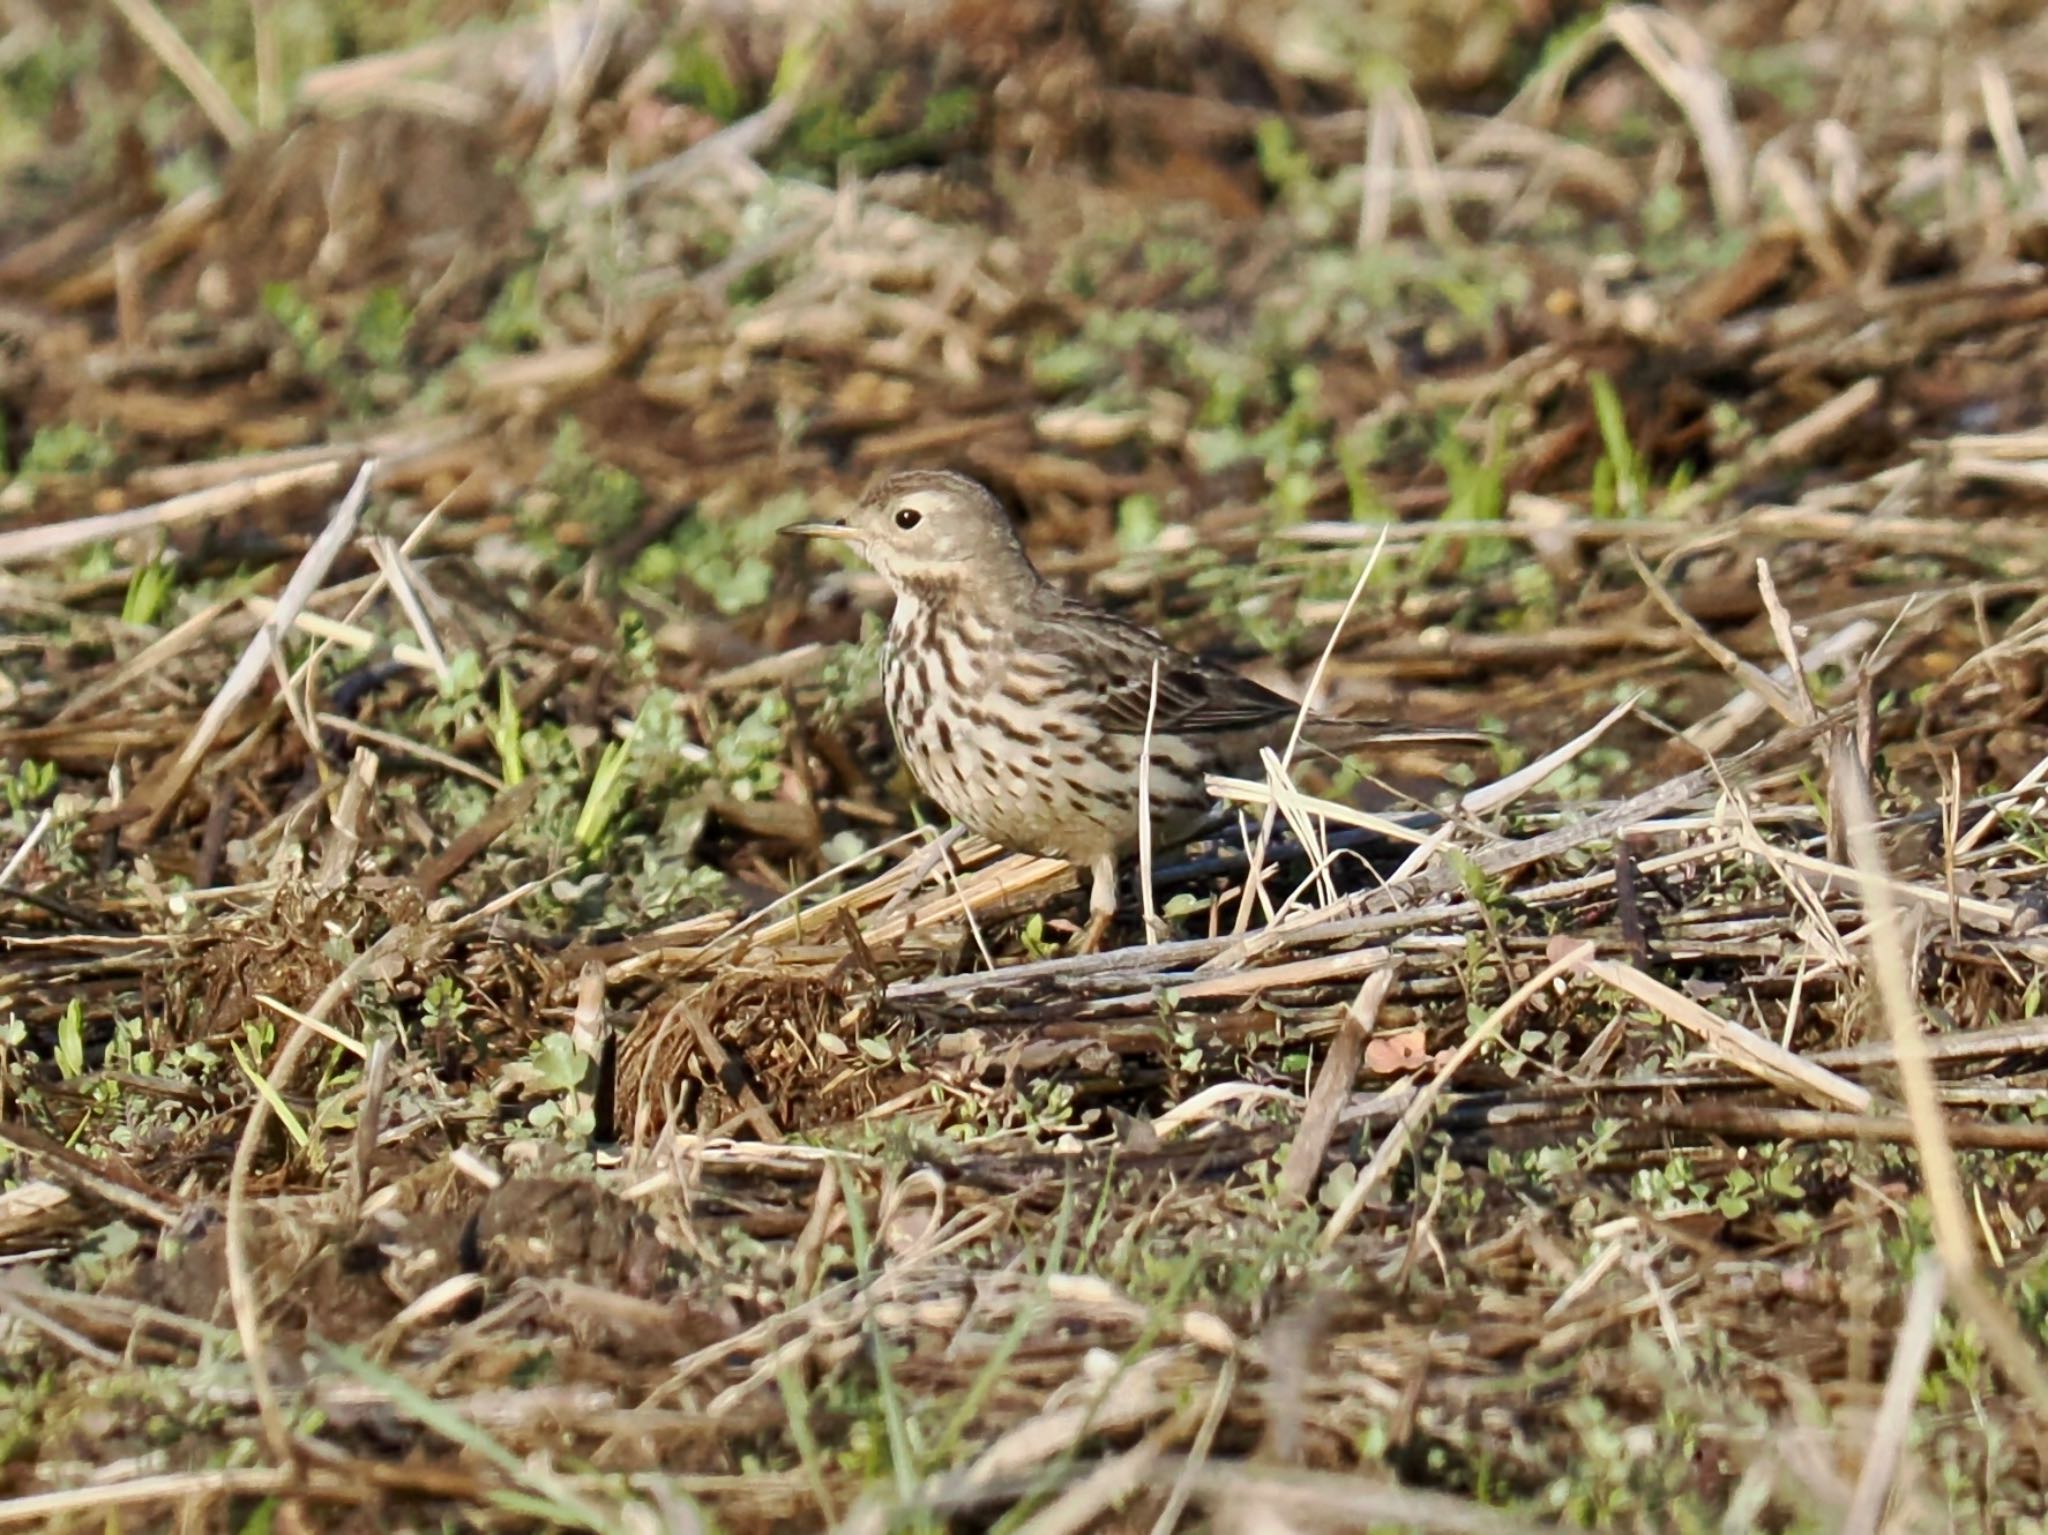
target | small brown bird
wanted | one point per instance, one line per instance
(1023, 712)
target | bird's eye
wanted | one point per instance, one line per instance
(908, 518)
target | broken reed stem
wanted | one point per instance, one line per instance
(188, 69)
(1252, 879)
(164, 793)
(1914, 1342)
(1332, 1088)
(1744, 1047)
(47, 539)
(1145, 899)
(1748, 673)
(1886, 950)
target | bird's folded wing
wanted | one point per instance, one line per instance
(1112, 664)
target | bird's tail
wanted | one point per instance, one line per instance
(1343, 735)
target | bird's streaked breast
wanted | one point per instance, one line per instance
(1004, 740)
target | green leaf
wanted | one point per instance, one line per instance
(559, 1064)
(149, 592)
(505, 732)
(269, 1094)
(1626, 471)
(71, 1040)
(607, 793)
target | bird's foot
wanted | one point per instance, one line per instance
(1090, 941)
(1101, 904)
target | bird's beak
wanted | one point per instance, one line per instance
(838, 530)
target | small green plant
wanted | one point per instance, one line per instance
(1478, 489)
(731, 559)
(516, 321)
(852, 676)
(1556, 1167)
(601, 500)
(71, 1040)
(608, 786)
(383, 328)
(748, 758)
(700, 74)
(1238, 595)
(1360, 450)
(444, 1004)
(67, 448)
(1621, 485)
(1032, 936)
(1672, 1188)
(1311, 201)
(149, 592)
(30, 784)
(832, 132)
(653, 749)
(301, 325)
(505, 734)
(1282, 161)
(359, 365)
(559, 1069)
(1138, 522)
(1773, 1179)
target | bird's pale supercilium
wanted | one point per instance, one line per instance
(1022, 712)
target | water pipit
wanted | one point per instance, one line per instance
(1023, 712)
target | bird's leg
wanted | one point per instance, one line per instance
(1101, 904)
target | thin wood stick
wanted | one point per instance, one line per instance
(1743, 1046)
(400, 578)
(1995, 915)
(1768, 1122)
(1332, 1088)
(1968, 1045)
(1253, 883)
(152, 657)
(169, 784)
(1153, 928)
(1887, 1439)
(39, 543)
(416, 749)
(1887, 959)
(1748, 673)
(355, 636)
(27, 846)
(75, 1170)
(188, 68)
(1797, 693)
(45, 1508)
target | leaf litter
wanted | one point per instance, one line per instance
(487, 1041)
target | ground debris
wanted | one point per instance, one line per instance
(654, 1111)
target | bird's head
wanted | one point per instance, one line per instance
(926, 527)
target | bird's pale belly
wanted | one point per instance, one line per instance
(1022, 770)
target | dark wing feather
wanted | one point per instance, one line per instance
(1112, 660)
